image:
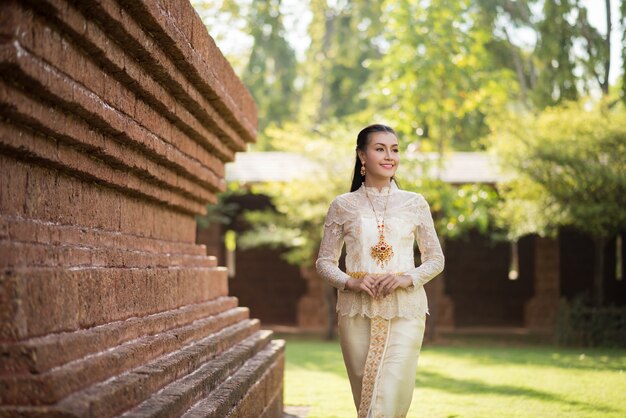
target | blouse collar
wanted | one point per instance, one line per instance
(383, 192)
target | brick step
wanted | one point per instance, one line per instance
(179, 396)
(36, 147)
(123, 392)
(186, 84)
(27, 254)
(38, 355)
(255, 383)
(59, 382)
(18, 228)
(99, 82)
(70, 300)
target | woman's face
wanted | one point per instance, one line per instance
(381, 156)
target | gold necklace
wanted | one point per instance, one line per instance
(383, 251)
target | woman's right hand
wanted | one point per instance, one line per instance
(366, 284)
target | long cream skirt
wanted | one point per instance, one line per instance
(381, 359)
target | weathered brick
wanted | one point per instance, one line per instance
(114, 133)
(128, 390)
(13, 180)
(50, 301)
(43, 353)
(58, 383)
(225, 398)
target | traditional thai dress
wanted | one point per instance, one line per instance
(381, 338)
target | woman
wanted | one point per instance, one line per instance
(381, 301)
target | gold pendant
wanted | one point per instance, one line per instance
(382, 252)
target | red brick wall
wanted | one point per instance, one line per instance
(263, 280)
(116, 119)
(476, 279)
(577, 267)
(268, 285)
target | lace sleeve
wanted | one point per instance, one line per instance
(330, 249)
(429, 246)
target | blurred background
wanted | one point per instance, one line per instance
(511, 118)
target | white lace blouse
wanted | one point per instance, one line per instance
(350, 219)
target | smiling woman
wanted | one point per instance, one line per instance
(381, 302)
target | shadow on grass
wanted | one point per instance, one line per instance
(325, 356)
(444, 383)
(558, 357)
(318, 352)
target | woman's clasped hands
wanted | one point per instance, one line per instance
(379, 286)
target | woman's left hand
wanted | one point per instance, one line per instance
(391, 282)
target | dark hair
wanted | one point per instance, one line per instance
(361, 142)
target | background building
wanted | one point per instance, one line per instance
(477, 288)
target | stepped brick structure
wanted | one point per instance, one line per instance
(116, 119)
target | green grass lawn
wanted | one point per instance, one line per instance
(473, 378)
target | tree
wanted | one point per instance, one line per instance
(227, 26)
(301, 204)
(623, 28)
(568, 59)
(271, 69)
(345, 38)
(436, 79)
(556, 80)
(569, 166)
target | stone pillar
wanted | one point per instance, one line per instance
(116, 119)
(540, 311)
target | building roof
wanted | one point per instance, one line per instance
(466, 167)
(458, 167)
(255, 167)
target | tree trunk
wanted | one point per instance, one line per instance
(623, 30)
(607, 41)
(322, 110)
(598, 271)
(519, 69)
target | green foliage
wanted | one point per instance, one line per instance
(223, 211)
(445, 75)
(226, 25)
(457, 208)
(300, 205)
(527, 208)
(268, 66)
(344, 41)
(436, 78)
(623, 25)
(569, 165)
(437, 67)
(271, 69)
(568, 57)
(466, 207)
(578, 324)
(296, 224)
(556, 80)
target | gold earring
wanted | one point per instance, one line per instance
(362, 169)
